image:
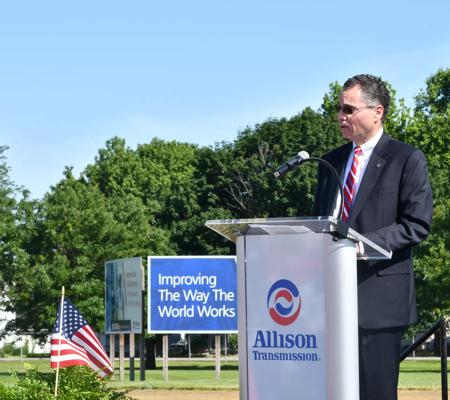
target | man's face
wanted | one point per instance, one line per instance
(358, 120)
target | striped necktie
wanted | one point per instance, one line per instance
(350, 184)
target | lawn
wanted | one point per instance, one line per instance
(420, 374)
(414, 374)
(185, 375)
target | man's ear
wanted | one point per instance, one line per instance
(378, 114)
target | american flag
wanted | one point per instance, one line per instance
(77, 343)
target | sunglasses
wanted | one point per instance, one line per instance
(347, 109)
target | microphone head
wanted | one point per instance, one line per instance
(303, 155)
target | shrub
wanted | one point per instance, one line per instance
(10, 349)
(75, 383)
(233, 343)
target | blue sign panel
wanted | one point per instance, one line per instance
(192, 294)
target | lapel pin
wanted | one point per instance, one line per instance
(378, 165)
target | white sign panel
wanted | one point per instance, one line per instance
(286, 343)
(123, 295)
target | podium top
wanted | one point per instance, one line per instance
(233, 228)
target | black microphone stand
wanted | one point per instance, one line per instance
(341, 227)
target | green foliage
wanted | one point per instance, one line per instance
(16, 214)
(155, 199)
(398, 117)
(75, 383)
(7, 220)
(10, 349)
(432, 266)
(233, 343)
(248, 185)
(429, 130)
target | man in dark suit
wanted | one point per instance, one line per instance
(388, 200)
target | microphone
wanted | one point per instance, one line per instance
(300, 158)
(291, 164)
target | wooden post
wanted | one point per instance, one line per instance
(112, 350)
(217, 348)
(132, 354)
(122, 357)
(165, 351)
(142, 355)
(142, 335)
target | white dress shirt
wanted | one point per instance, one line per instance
(363, 158)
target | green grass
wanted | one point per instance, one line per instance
(10, 365)
(420, 374)
(200, 375)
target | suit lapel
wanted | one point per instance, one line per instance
(372, 173)
(339, 162)
(340, 167)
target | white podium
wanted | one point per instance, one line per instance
(297, 307)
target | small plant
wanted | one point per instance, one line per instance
(33, 386)
(233, 343)
(75, 383)
(11, 350)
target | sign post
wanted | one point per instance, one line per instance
(217, 352)
(112, 350)
(122, 357)
(165, 357)
(132, 354)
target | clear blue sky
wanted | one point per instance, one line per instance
(74, 74)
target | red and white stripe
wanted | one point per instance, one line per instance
(83, 349)
(349, 189)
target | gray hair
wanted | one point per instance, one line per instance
(374, 90)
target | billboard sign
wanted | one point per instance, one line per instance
(123, 295)
(192, 294)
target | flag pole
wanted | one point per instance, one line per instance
(61, 311)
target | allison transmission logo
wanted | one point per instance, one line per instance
(269, 344)
(284, 302)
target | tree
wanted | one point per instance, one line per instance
(173, 182)
(248, 186)
(17, 215)
(77, 230)
(7, 220)
(155, 199)
(429, 130)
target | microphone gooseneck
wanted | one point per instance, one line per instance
(302, 157)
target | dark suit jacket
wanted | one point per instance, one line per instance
(393, 208)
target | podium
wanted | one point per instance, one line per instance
(297, 307)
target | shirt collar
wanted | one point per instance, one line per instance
(368, 146)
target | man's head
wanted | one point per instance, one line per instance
(363, 105)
